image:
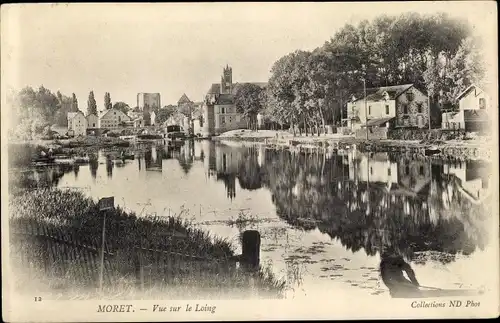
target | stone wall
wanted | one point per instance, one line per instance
(373, 133)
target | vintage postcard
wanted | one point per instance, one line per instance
(249, 161)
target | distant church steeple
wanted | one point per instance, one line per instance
(226, 80)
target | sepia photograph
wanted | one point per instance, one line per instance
(180, 161)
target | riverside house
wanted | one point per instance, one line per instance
(112, 118)
(220, 113)
(472, 114)
(398, 106)
(77, 124)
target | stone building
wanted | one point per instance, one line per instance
(220, 113)
(77, 124)
(404, 105)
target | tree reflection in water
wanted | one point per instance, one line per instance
(371, 201)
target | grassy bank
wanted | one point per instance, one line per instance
(70, 216)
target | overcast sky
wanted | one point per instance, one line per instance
(176, 48)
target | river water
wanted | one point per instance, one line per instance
(324, 216)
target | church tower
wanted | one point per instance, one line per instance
(226, 80)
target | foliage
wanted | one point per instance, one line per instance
(165, 113)
(122, 106)
(424, 134)
(75, 101)
(91, 104)
(107, 101)
(35, 110)
(71, 215)
(248, 101)
(436, 53)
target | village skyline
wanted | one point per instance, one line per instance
(169, 64)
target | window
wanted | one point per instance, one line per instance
(371, 170)
(405, 108)
(410, 96)
(482, 103)
(388, 172)
(421, 170)
(369, 109)
(420, 105)
(387, 109)
(407, 170)
(222, 110)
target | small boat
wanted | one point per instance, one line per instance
(149, 136)
(81, 160)
(127, 156)
(44, 159)
(432, 151)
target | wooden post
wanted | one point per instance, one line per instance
(139, 270)
(104, 204)
(250, 257)
(101, 270)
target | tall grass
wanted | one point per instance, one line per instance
(159, 246)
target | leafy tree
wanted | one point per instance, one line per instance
(91, 104)
(165, 113)
(107, 101)
(122, 106)
(248, 102)
(75, 101)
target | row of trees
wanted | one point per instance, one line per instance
(92, 104)
(34, 111)
(436, 53)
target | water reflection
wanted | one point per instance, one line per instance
(93, 165)
(367, 202)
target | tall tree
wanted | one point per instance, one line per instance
(107, 101)
(248, 102)
(74, 101)
(91, 104)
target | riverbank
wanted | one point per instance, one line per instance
(465, 149)
(196, 265)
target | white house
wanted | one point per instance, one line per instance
(112, 118)
(92, 121)
(474, 104)
(77, 124)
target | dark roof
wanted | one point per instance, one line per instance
(215, 88)
(183, 99)
(377, 122)
(375, 94)
(475, 115)
(225, 99)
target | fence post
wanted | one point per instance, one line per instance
(138, 267)
(250, 256)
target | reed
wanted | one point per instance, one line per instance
(58, 232)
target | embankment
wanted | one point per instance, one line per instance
(56, 231)
(462, 149)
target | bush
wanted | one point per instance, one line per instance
(425, 134)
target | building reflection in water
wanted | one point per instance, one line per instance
(186, 156)
(76, 170)
(109, 166)
(368, 201)
(152, 161)
(93, 165)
